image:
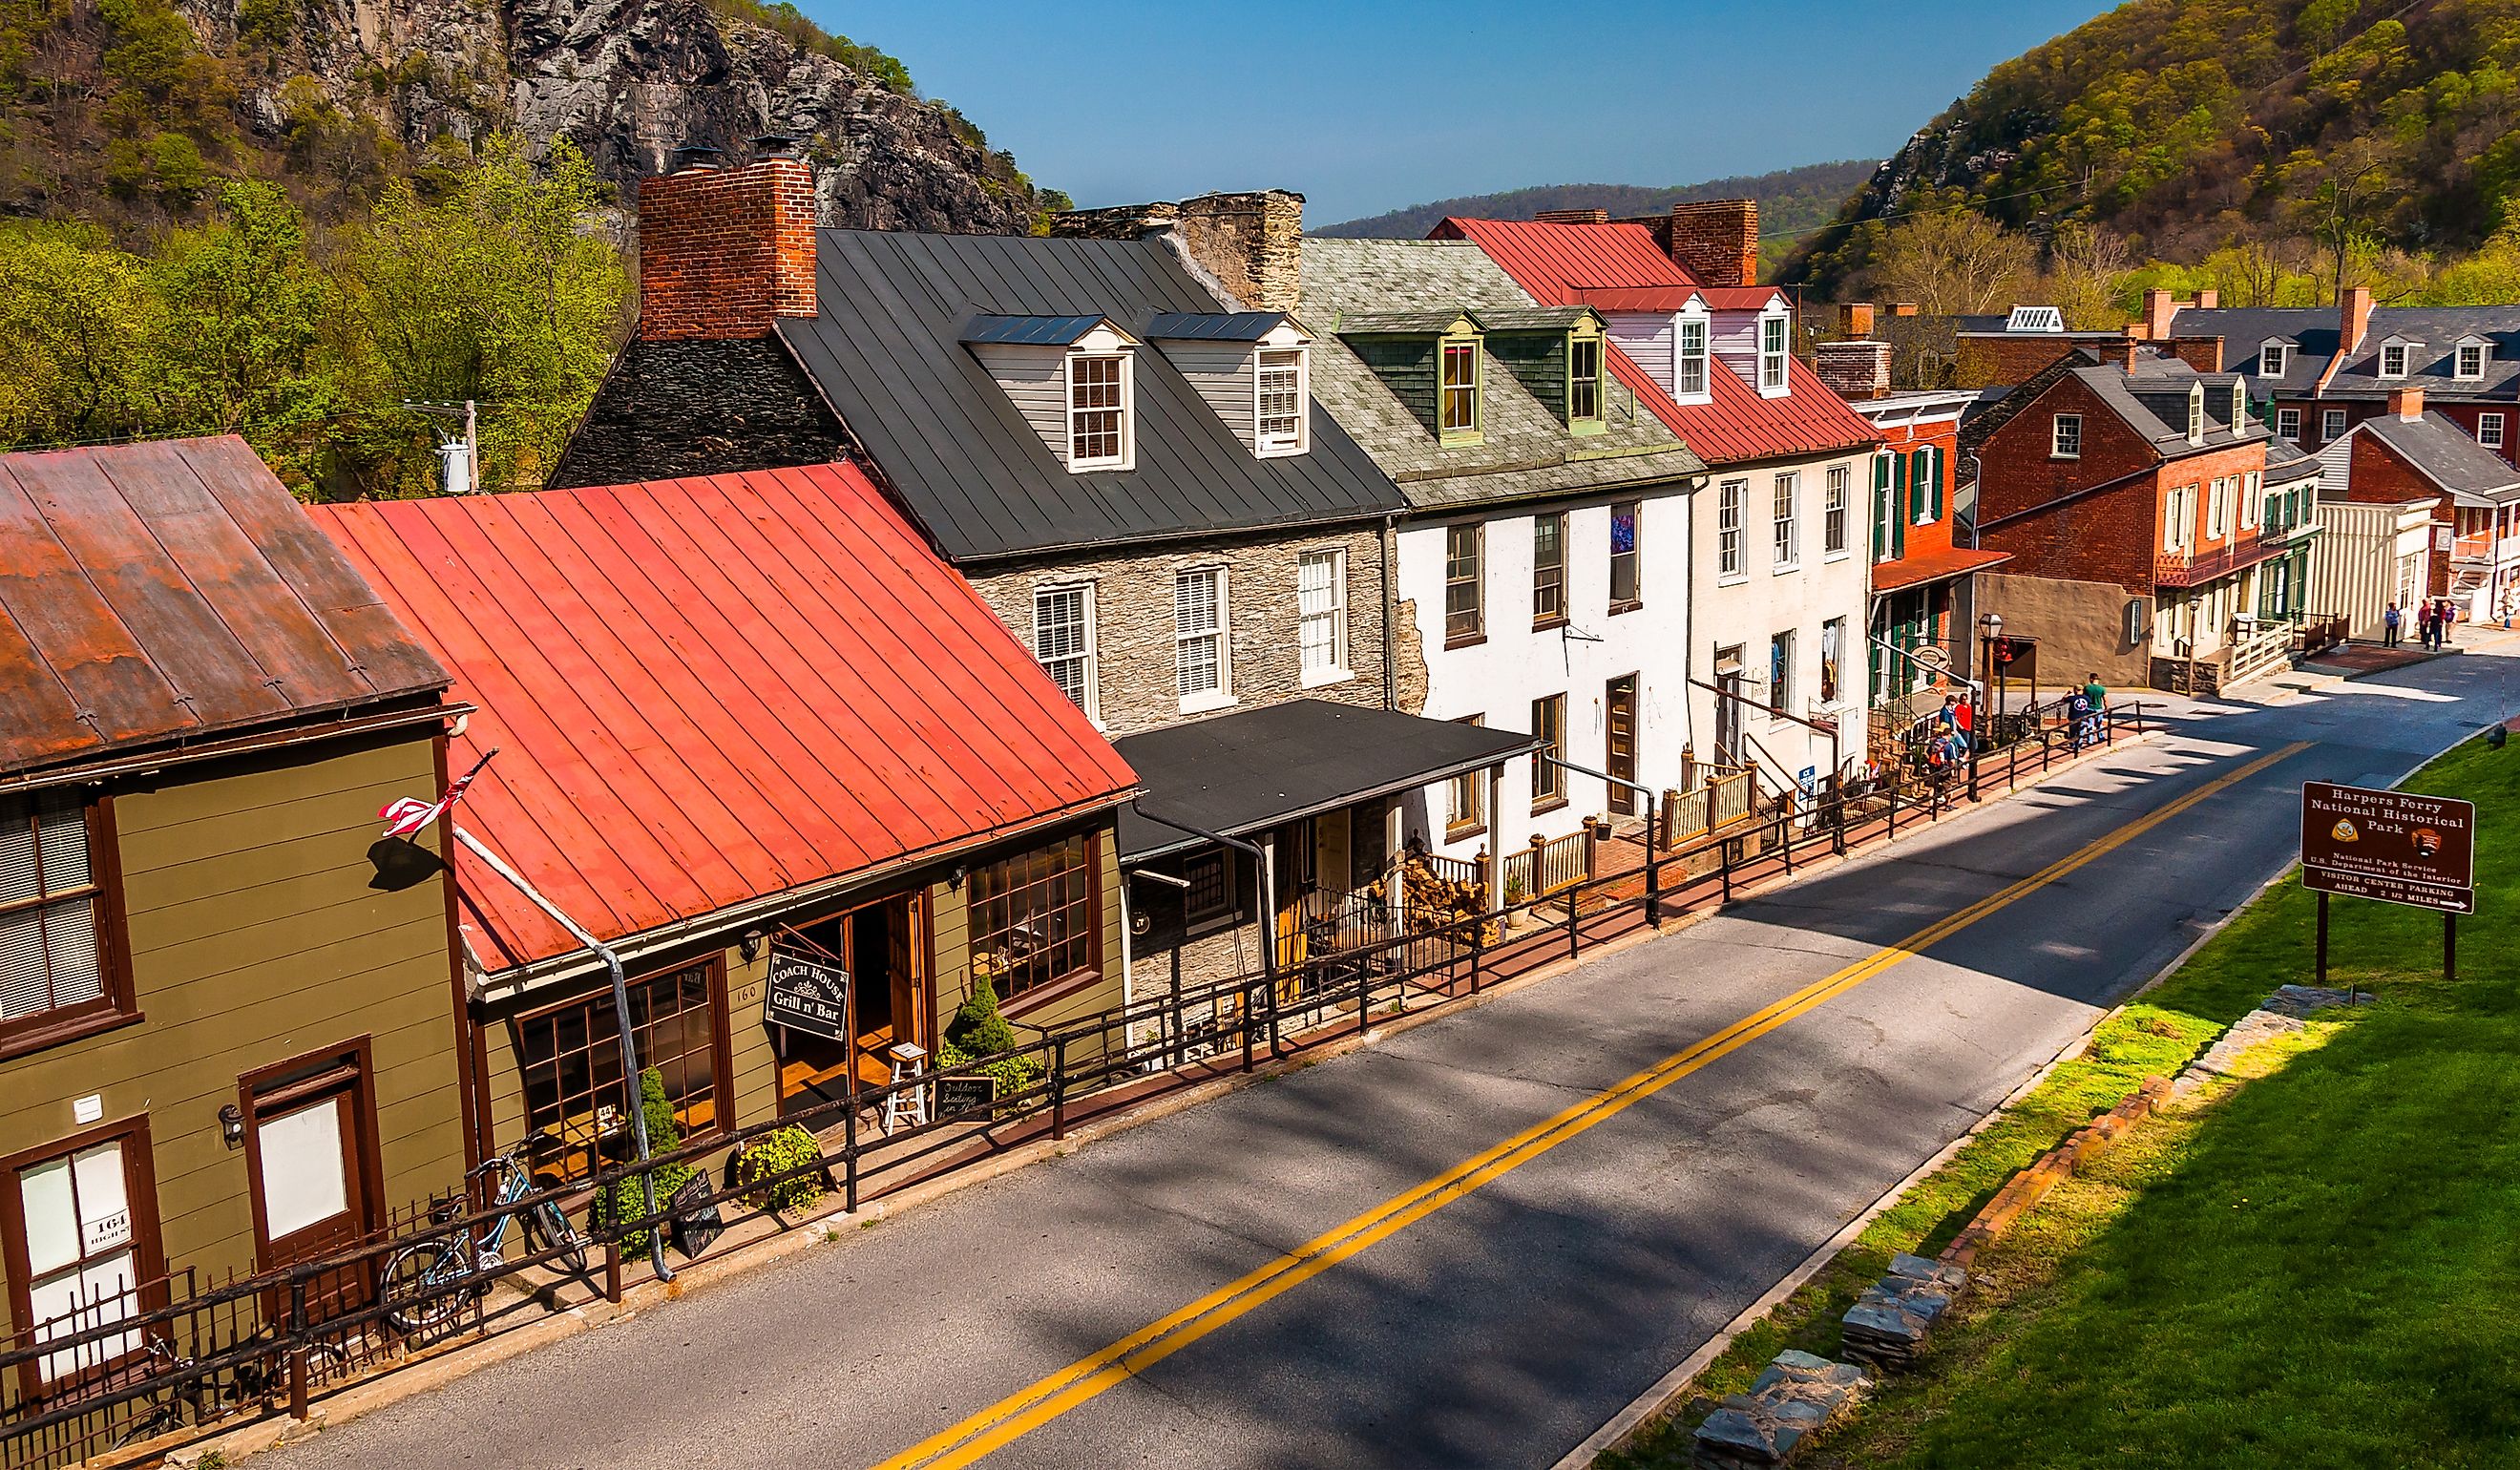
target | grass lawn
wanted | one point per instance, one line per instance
(2321, 1269)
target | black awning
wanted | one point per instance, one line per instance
(1236, 773)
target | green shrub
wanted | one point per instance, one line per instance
(978, 1029)
(774, 1154)
(664, 1129)
(623, 1199)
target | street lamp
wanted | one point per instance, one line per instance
(1991, 628)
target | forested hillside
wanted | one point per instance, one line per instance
(2184, 127)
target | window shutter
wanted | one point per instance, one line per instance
(1882, 473)
(1934, 477)
(1899, 504)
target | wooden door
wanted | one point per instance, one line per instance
(310, 1147)
(1619, 713)
(904, 943)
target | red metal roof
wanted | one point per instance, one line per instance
(169, 591)
(708, 691)
(1936, 566)
(1566, 265)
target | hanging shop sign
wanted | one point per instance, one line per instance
(808, 994)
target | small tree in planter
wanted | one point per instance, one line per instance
(977, 1030)
(774, 1153)
(623, 1199)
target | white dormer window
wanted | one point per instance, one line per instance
(1773, 339)
(2240, 406)
(1098, 405)
(2470, 366)
(2196, 414)
(1688, 360)
(2393, 360)
(1280, 380)
(2271, 360)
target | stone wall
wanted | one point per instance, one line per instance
(2080, 627)
(1133, 620)
(687, 408)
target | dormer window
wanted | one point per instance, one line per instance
(2469, 366)
(1583, 380)
(1280, 428)
(2196, 414)
(1098, 410)
(2271, 360)
(2393, 359)
(1459, 387)
(1773, 339)
(2240, 406)
(1688, 360)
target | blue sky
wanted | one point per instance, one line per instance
(1367, 107)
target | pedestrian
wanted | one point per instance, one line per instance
(2389, 627)
(2078, 718)
(2449, 617)
(2424, 625)
(1965, 721)
(2099, 694)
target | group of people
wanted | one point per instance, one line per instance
(2433, 619)
(1950, 732)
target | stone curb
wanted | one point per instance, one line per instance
(2024, 1190)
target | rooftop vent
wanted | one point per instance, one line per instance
(2035, 318)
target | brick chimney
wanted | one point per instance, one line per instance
(1251, 242)
(2353, 318)
(1571, 217)
(725, 252)
(2159, 306)
(1854, 320)
(2203, 353)
(2118, 352)
(1854, 371)
(2208, 298)
(1903, 309)
(1716, 241)
(2407, 403)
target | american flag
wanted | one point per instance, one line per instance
(409, 816)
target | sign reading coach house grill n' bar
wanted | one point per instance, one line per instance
(805, 994)
(2395, 846)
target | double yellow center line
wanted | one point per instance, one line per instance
(1021, 1413)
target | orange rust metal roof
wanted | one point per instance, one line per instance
(171, 592)
(715, 689)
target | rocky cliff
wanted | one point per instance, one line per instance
(128, 111)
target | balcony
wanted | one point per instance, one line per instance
(2479, 546)
(2195, 568)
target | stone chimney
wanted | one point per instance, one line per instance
(1854, 370)
(2353, 318)
(1854, 320)
(2407, 403)
(1253, 243)
(1716, 241)
(1571, 217)
(2159, 306)
(725, 252)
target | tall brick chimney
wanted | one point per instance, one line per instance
(1854, 320)
(2407, 403)
(1854, 371)
(2159, 306)
(2208, 298)
(1252, 243)
(1571, 217)
(1716, 241)
(2353, 318)
(725, 252)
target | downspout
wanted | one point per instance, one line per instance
(1390, 601)
(1268, 906)
(621, 1018)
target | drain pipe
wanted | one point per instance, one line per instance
(1267, 898)
(620, 1015)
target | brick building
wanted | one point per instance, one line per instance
(2414, 454)
(2137, 498)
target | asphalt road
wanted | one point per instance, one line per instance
(1503, 1327)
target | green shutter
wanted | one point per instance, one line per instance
(1899, 504)
(1936, 474)
(1881, 506)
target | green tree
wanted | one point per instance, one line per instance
(78, 321)
(246, 310)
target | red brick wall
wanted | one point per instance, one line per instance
(2107, 536)
(1993, 360)
(2464, 414)
(1717, 239)
(724, 253)
(1936, 535)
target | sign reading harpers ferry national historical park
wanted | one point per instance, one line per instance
(808, 994)
(2393, 846)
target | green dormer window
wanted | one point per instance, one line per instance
(1459, 390)
(1583, 382)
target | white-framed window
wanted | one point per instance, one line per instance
(2471, 361)
(1279, 378)
(2271, 360)
(1098, 410)
(2249, 499)
(1732, 505)
(2332, 424)
(1787, 524)
(2217, 507)
(2289, 423)
(2179, 519)
(1774, 335)
(2393, 360)
(2196, 413)
(2239, 405)
(1321, 599)
(1832, 648)
(1460, 387)
(1627, 553)
(2489, 431)
(1063, 639)
(1201, 671)
(1832, 516)
(1689, 354)
(2065, 436)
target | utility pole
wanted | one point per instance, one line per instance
(471, 449)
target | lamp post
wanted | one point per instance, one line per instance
(1991, 628)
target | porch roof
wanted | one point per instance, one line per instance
(1236, 773)
(1936, 566)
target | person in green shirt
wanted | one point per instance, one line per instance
(2095, 695)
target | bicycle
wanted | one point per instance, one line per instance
(427, 1280)
(199, 1399)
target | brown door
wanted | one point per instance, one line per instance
(1619, 715)
(310, 1149)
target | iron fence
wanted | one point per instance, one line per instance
(213, 1355)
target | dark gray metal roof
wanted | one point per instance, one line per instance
(2154, 401)
(2443, 453)
(884, 349)
(1236, 773)
(1214, 326)
(1030, 331)
(2314, 330)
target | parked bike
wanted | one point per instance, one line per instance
(426, 1282)
(192, 1397)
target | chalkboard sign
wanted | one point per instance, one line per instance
(807, 995)
(695, 1225)
(964, 1094)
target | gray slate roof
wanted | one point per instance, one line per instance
(2244, 330)
(882, 348)
(2444, 454)
(2152, 399)
(1526, 451)
(2288, 462)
